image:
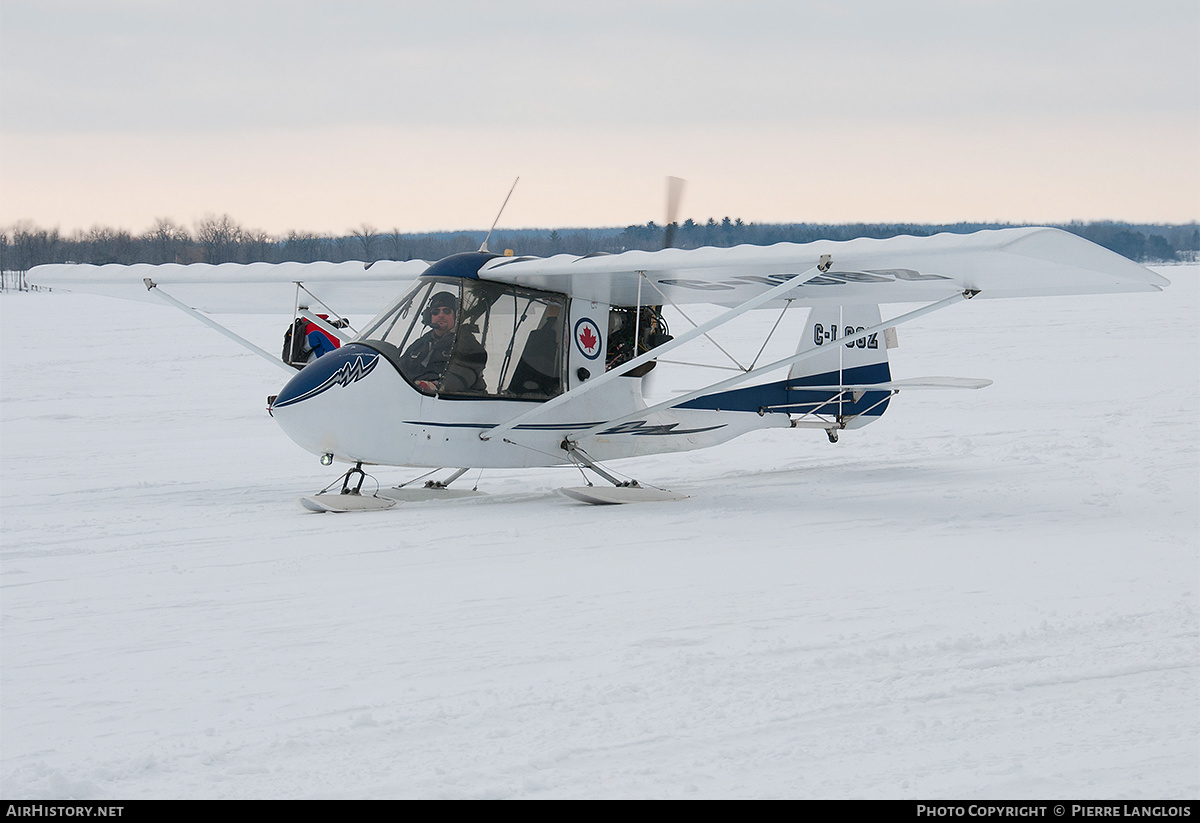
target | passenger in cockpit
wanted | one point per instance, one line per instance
(444, 359)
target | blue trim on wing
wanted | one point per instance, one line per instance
(341, 367)
(788, 396)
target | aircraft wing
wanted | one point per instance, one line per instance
(234, 288)
(1023, 262)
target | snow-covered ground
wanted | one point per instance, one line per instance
(985, 594)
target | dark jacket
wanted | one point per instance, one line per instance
(438, 360)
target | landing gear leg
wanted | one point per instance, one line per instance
(627, 491)
(432, 489)
(579, 458)
(349, 475)
(445, 484)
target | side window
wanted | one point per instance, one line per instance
(513, 339)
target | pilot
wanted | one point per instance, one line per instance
(433, 362)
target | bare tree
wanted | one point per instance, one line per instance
(103, 244)
(166, 242)
(257, 245)
(399, 246)
(302, 247)
(218, 238)
(31, 246)
(367, 235)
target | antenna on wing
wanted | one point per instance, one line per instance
(674, 195)
(497, 220)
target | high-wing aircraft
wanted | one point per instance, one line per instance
(482, 360)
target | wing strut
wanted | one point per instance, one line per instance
(324, 325)
(153, 288)
(596, 382)
(778, 364)
(345, 338)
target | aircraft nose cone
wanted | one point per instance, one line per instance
(341, 367)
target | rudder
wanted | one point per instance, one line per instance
(861, 362)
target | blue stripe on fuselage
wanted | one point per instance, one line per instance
(784, 397)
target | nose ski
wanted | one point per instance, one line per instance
(348, 499)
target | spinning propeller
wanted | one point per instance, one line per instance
(674, 195)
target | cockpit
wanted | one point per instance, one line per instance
(461, 337)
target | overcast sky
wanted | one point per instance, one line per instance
(323, 116)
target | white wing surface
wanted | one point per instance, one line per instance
(233, 288)
(1024, 262)
(1002, 263)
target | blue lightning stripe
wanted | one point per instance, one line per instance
(342, 367)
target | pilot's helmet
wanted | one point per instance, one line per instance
(442, 298)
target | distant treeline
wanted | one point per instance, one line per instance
(222, 240)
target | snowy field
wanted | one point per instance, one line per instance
(987, 594)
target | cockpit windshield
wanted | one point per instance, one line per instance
(395, 323)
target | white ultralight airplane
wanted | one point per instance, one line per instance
(496, 361)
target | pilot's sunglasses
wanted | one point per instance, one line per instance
(442, 310)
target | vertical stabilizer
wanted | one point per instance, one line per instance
(862, 362)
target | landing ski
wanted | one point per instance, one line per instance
(349, 502)
(399, 494)
(616, 495)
